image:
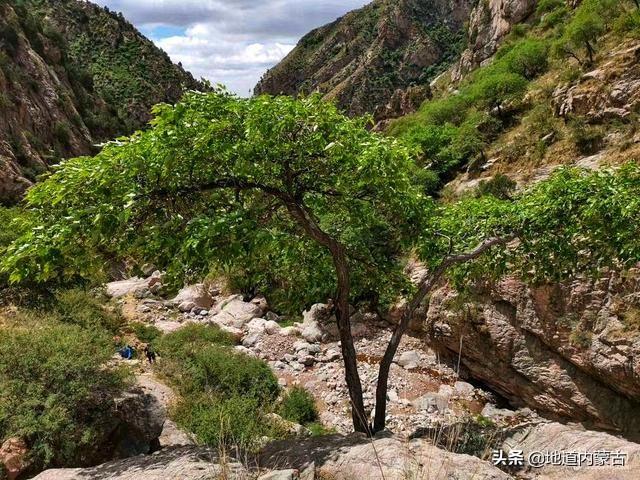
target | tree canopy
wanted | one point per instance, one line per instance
(207, 188)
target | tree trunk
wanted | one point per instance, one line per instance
(590, 52)
(424, 288)
(382, 386)
(352, 377)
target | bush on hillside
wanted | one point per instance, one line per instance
(587, 139)
(146, 333)
(222, 371)
(54, 390)
(527, 58)
(190, 338)
(80, 307)
(235, 422)
(500, 186)
(298, 406)
(225, 395)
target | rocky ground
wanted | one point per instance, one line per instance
(426, 397)
(423, 390)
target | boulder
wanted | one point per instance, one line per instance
(238, 313)
(198, 295)
(291, 331)
(251, 339)
(566, 439)
(133, 286)
(173, 436)
(463, 389)
(186, 306)
(332, 355)
(140, 418)
(409, 360)
(280, 475)
(261, 302)
(318, 325)
(184, 463)
(495, 413)
(13, 458)
(271, 327)
(355, 456)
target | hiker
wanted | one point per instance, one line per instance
(151, 355)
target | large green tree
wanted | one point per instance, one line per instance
(332, 206)
(220, 179)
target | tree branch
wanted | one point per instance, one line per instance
(235, 183)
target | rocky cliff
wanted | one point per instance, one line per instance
(72, 75)
(569, 351)
(363, 58)
(489, 23)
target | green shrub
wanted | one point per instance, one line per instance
(10, 229)
(581, 338)
(223, 422)
(451, 109)
(225, 394)
(146, 333)
(9, 39)
(191, 338)
(62, 133)
(54, 390)
(221, 370)
(527, 58)
(500, 186)
(80, 307)
(298, 406)
(628, 23)
(319, 430)
(491, 91)
(545, 6)
(586, 138)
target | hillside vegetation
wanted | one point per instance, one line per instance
(71, 76)
(508, 111)
(362, 59)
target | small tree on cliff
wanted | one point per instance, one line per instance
(218, 180)
(575, 223)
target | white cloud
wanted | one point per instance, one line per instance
(230, 41)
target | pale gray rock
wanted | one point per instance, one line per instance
(555, 437)
(199, 295)
(177, 463)
(238, 314)
(357, 457)
(495, 413)
(280, 475)
(133, 286)
(463, 389)
(409, 360)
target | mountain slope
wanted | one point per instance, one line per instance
(72, 75)
(361, 59)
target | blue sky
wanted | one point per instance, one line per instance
(229, 41)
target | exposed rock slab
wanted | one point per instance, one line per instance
(555, 437)
(179, 463)
(489, 24)
(346, 458)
